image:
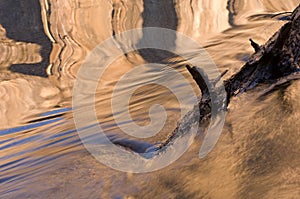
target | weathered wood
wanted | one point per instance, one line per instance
(276, 62)
(277, 59)
(255, 45)
(273, 63)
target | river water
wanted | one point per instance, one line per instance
(44, 43)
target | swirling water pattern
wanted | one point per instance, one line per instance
(41, 155)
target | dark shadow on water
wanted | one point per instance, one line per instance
(23, 22)
(159, 14)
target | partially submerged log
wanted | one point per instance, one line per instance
(274, 63)
(277, 59)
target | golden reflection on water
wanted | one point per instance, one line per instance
(41, 155)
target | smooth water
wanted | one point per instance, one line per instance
(42, 46)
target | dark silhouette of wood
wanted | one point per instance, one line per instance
(255, 45)
(276, 62)
(277, 59)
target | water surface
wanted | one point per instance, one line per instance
(42, 46)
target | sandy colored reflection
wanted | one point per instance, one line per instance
(260, 160)
(22, 96)
(13, 52)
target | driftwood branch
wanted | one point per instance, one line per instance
(277, 59)
(275, 62)
(255, 45)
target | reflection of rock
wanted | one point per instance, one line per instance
(76, 27)
(24, 96)
(22, 21)
(2, 33)
(13, 52)
(201, 19)
(240, 10)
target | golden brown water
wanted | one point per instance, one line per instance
(42, 46)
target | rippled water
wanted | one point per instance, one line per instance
(42, 46)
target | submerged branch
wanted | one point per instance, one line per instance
(277, 59)
(275, 63)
